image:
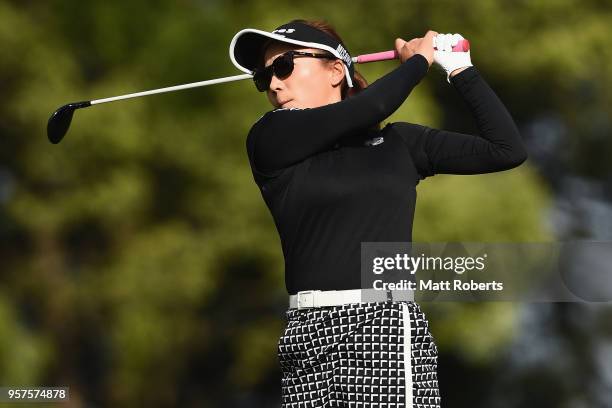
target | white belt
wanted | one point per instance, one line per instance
(318, 298)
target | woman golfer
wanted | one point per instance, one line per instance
(333, 179)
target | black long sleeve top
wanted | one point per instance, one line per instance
(332, 181)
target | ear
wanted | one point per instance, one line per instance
(336, 72)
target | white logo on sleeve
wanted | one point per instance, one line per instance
(283, 109)
(374, 141)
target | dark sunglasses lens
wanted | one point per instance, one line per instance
(262, 79)
(283, 66)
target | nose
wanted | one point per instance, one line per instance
(275, 83)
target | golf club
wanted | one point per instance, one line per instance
(60, 120)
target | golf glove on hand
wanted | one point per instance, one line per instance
(448, 59)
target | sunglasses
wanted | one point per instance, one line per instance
(281, 67)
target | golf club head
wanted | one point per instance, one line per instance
(59, 122)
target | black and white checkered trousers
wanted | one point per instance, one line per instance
(354, 356)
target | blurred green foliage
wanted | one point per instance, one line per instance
(139, 264)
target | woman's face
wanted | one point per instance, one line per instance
(314, 82)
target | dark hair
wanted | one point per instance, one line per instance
(359, 82)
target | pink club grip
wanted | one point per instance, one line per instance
(462, 46)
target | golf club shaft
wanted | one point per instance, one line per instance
(60, 120)
(174, 88)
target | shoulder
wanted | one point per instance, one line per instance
(410, 133)
(414, 137)
(272, 116)
(275, 120)
(274, 112)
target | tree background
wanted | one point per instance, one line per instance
(140, 266)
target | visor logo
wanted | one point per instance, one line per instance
(345, 55)
(283, 30)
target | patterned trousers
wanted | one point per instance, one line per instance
(359, 355)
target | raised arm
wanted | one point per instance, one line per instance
(286, 136)
(497, 147)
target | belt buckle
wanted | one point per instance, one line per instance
(305, 298)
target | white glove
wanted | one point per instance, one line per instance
(448, 59)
